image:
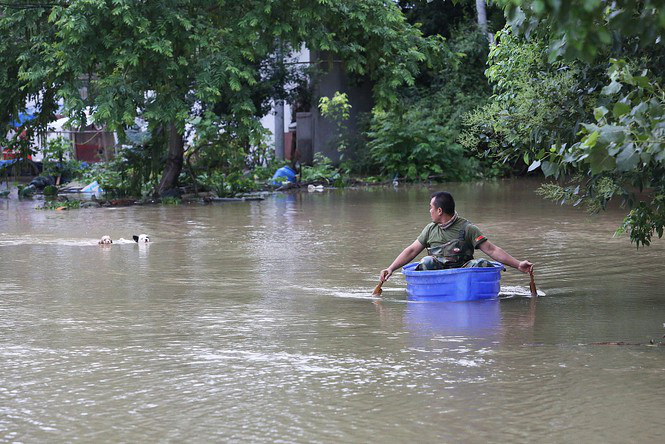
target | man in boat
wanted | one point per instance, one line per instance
(450, 241)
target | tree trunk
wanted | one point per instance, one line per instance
(174, 161)
(482, 19)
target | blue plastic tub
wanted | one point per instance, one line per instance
(456, 284)
(284, 173)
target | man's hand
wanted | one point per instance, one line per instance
(525, 267)
(499, 255)
(404, 258)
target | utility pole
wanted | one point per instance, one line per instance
(279, 110)
(482, 19)
(279, 130)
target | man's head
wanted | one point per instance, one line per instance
(442, 206)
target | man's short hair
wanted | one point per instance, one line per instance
(445, 201)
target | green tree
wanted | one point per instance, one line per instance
(172, 62)
(621, 154)
(578, 95)
(419, 138)
(446, 18)
(535, 103)
(581, 29)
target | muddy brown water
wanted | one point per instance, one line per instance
(253, 321)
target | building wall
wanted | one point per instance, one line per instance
(334, 79)
(268, 121)
(94, 145)
(316, 134)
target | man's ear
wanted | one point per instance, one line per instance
(136, 238)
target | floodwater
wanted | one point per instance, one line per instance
(253, 321)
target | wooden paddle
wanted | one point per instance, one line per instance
(377, 291)
(532, 285)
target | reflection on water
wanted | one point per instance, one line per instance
(254, 321)
(477, 319)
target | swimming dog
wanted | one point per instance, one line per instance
(105, 240)
(141, 238)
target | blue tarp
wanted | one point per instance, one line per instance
(92, 187)
(22, 118)
(8, 162)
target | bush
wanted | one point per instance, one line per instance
(57, 205)
(226, 185)
(171, 200)
(535, 103)
(418, 138)
(59, 161)
(131, 172)
(322, 171)
(596, 126)
(50, 190)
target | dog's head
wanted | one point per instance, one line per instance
(141, 238)
(105, 240)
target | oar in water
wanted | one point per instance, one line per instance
(532, 285)
(377, 291)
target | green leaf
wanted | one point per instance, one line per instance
(600, 160)
(620, 109)
(538, 6)
(610, 134)
(600, 112)
(549, 168)
(613, 88)
(627, 159)
(641, 81)
(604, 36)
(590, 140)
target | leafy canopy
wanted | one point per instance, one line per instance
(578, 94)
(182, 62)
(581, 29)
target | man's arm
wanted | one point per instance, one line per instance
(404, 258)
(498, 254)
